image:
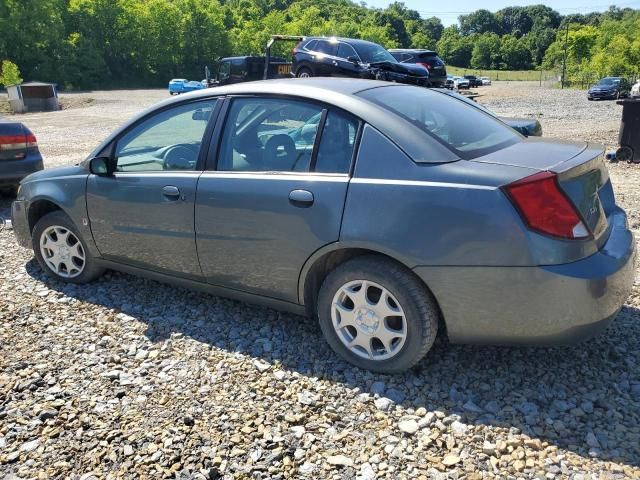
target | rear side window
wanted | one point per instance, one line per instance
(327, 48)
(337, 143)
(466, 130)
(311, 45)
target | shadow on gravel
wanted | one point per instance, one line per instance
(584, 398)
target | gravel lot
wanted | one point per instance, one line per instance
(106, 381)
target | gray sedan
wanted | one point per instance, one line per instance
(384, 211)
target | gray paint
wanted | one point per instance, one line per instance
(237, 234)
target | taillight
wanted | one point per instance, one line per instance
(425, 65)
(545, 208)
(17, 143)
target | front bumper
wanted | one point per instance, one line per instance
(20, 223)
(605, 94)
(537, 305)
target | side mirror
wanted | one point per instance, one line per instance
(102, 166)
(353, 60)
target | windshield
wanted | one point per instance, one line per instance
(372, 52)
(609, 81)
(467, 130)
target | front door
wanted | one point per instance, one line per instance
(143, 215)
(277, 194)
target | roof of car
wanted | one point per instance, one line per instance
(350, 41)
(339, 92)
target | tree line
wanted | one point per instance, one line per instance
(111, 43)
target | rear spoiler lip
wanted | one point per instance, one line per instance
(580, 162)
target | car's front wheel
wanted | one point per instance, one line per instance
(61, 251)
(377, 315)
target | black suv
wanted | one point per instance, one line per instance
(611, 88)
(347, 57)
(473, 81)
(426, 58)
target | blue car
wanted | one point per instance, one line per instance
(182, 85)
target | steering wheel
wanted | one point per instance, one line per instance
(179, 157)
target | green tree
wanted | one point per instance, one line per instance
(486, 51)
(9, 74)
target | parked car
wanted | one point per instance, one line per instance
(19, 155)
(461, 83)
(501, 238)
(425, 58)
(635, 90)
(529, 127)
(347, 57)
(473, 81)
(485, 81)
(182, 85)
(449, 83)
(609, 88)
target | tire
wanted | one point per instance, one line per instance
(54, 225)
(417, 317)
(304, 72)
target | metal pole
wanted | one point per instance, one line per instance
(564, 57)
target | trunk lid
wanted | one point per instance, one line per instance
(580, 169)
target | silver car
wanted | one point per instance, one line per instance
(387, 212)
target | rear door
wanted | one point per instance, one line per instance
(277, 193)
(325, 58)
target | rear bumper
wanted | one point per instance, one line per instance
(536, 305)
(12, 171)
(20, 223)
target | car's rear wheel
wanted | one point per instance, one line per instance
(377, 315)
(304, 72)
(61, 251)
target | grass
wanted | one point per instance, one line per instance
(512, 75)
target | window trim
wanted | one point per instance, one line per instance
(221, 121)
(204, 146)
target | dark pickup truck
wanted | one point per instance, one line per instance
(248, 68)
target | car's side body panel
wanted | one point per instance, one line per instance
(431, 214)
(67, 192)
(251, 237)
(133, 222)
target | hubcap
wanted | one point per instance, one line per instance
(304, 75)
(62, 251)
(369, 320)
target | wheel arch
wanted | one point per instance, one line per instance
(40, 207)
(326, 259)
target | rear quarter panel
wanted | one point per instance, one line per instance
(432, 214)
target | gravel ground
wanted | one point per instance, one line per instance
(105, 381)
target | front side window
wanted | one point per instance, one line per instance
(346, 51)
(169, 140)
(372, 52)
(279, 135)
(466, 130)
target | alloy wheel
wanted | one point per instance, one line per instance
(369, 320)
(62, 251)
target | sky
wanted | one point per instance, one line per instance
(449, 12)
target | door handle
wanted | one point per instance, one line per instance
(301, 198)
(335, 63)
(171, 192)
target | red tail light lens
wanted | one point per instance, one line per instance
(545, 208)
(425, 65)
(17, 143)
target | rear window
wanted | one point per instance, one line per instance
(431, 58)
(311, 45)
(464, 129)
